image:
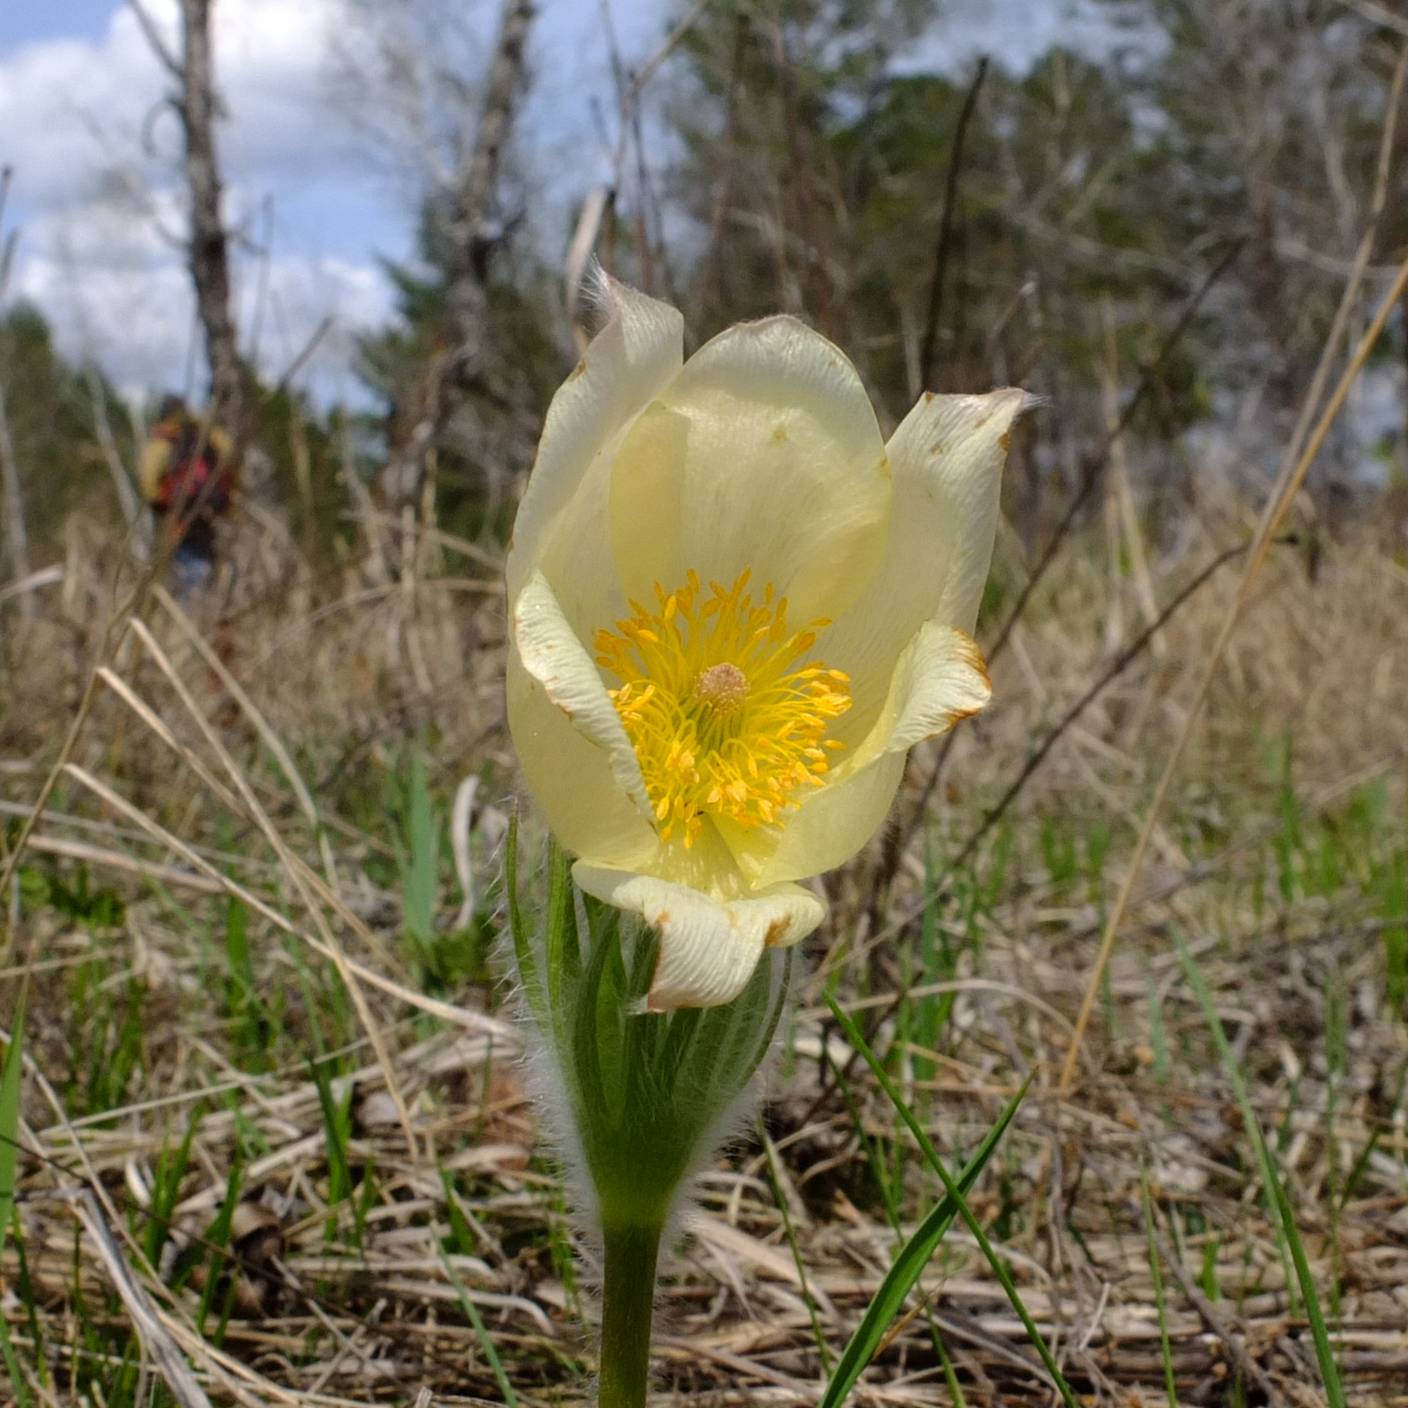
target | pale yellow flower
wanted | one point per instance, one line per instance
(733, 610)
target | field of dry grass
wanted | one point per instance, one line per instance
(275, 1146)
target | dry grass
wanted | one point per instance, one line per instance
(350, 1087)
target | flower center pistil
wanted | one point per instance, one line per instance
(727, 715)
(722, 687)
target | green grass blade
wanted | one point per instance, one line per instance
(9, 1171)
(18, 1384)
(906, 1269)
(999, 1268)
(955, 1389)
(1278, 1205)
(1156, 1271)
(218, 1241)
(10, 1122)
(780, 1198)
(486, 1343)
(1324, 1351)
(335, 1127)
(1233, 1072)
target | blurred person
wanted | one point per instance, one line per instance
(187, 476)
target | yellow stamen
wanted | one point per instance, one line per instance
(727, 716)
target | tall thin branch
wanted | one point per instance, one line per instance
(934, 319)
(11, 495)
(16, 539)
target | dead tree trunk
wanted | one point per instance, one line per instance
(209, 248)
(208, 252)
(461, 367)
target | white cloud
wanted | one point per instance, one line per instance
(72, 110)
(98, 192)
(117, 292)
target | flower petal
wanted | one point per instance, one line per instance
(552, 655)
(939, 679)
(708, 947)
(762, 455)
(571, 778)
(947, 457)
(637, 352)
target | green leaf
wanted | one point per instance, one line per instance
(336, 1123)
(419, 856)
(907, 1267)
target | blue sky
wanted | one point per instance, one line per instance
(316, 177)
(22, 21)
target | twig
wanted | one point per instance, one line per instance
(671, 42)
(461, 814)
(1094, 470)
(300, 360)
(122, 484)
(1244, 1365)
(44, 577)
(7, 259)
(17, 539)
(941, 248)
(7, 250)
(1379, 14)
(164, 56)
(146, 1318)
(1117, 667)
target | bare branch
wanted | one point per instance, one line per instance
(122, 481)
(300, 360)
(168, 60)
(941, 249)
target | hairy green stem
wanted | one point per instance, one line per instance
(631, 1253)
